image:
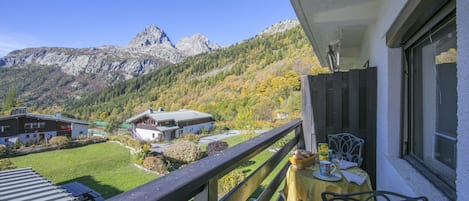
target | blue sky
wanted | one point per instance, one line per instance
(90, 23)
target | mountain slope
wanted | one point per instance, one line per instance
(259, 76)
(86, 70)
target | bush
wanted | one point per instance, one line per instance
(139, 158)
(217, 146)
(229, 181)
(18, 144)
(155, 164)
(182, 151)
(3, 149)
(125, 140)
(6, 164)
(60, 141)
(191, 137)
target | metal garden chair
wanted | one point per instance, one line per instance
(347, 146)
(369, 196)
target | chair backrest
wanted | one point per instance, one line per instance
(369, 196)
(348, 146)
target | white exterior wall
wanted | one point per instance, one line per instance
(462, 170)
(147, 135)
(79, 128)
(393, 173)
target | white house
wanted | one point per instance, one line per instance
(160, 125)
(420, 49)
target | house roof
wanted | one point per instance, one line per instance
(180, 115)
(342, 24)
(27, 184)
(44, 117)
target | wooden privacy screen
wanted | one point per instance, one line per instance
(341, 102)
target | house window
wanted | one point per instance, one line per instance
(28, 125)
(430, 94)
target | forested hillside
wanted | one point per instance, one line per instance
(255, 80)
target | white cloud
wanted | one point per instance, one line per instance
(10, 42)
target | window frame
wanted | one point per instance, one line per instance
(433, 25)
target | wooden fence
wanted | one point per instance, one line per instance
(341, 102)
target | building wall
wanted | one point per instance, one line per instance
(23, 137)
(393, 173)
(79, 129)
(147, 135)
(462, 170)
(197, 128)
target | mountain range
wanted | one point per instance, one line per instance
(148, 50)
(53, 76)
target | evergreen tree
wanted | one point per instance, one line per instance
(10, 100)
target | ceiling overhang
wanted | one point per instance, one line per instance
(338, 29)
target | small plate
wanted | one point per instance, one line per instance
(334, 177)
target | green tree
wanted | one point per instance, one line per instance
(111, 126)
(10, 100)
(244, 121)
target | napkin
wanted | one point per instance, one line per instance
(344, 164)
(351, 177)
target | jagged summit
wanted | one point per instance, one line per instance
(196, 44)
(151, 36)
(280, 27)
(148, 50)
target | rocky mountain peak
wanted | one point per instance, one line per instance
(151, 36)
(280, 27)
(196, 44)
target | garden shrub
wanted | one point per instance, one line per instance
(60, 141)
(18, 144)
(3, 149)
(155, 164)
(6, 164)
(217, 146)
(182, 151)
(125, 140)
(191, 137)
(229, 181)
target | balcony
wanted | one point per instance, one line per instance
(333, 103)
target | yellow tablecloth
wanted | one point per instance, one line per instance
(302, 185)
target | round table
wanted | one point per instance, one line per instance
(302, 185)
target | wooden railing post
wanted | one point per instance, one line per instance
(309, 132)
(210, 192)
(301, 139)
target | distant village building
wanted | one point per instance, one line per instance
(33, 128)
(160, 125)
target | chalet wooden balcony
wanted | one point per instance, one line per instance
(147, 127)
(333, 103)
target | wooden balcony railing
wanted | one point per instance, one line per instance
(148, 126)
(200, 179)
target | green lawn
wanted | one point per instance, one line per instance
(255, 162)
(104, 167)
